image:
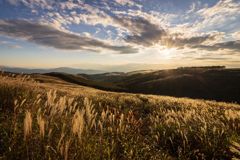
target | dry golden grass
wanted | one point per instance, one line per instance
(66, 121)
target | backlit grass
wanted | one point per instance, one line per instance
(39, 123)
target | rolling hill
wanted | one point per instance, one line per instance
(201, 83)
(78, 79)
(198, 83)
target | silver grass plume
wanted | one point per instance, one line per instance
(40, 122)
(78, 123)
(89, 110)
(27, 124)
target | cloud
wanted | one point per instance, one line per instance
(173, 41)
(162, 19)
(231, 45)
(41, 47)
(46, 35)
(144, 32)
(15, 47)
(119, 12)
(129, 2)
(87, 34)
(13, 2)
(236, 34)
(147, 34)
(193, 6)
(44, 4)
(221, 15)
(4, 42)
(143, 29)
(34, 11)
(70, 5)
(221, 8)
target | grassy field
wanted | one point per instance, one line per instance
(56, 119)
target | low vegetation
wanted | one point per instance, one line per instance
(85, 82)
(40, 123)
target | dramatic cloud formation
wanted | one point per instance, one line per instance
(231, 45)
(47, 35)
(144, 33)
(148, 34)
(158, 31)
(142, 29)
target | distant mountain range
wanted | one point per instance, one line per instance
(60, 69)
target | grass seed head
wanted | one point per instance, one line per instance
(27, 124)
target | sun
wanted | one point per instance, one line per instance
(166, 51)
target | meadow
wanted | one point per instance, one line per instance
(66, 121)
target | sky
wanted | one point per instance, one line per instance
(119, 35)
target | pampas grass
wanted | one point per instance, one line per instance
(27, 124)
(41, 123)
(67, 125)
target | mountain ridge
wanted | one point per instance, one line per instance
(59, 69)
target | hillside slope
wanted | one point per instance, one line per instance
(219, 85)
(201, 83)
(78, 79)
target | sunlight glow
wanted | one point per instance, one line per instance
(166, 52)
